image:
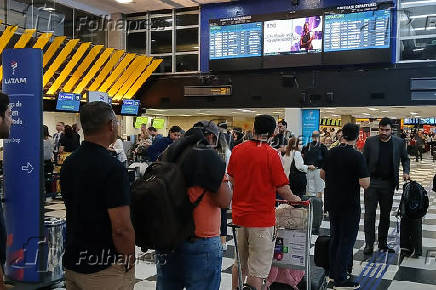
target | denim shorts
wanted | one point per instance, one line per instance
(194, 265)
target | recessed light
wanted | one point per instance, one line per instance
(277, 112)
(372, 109)
(334, 115)
(246, 111)
(413, 113)
(385, 111)
(49, 9)
(124, 1)
(366, 114)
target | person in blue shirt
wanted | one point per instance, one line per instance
(159, 145)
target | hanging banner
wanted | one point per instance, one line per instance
(22, 81)
(310, 119)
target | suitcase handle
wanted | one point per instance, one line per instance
(303, 203)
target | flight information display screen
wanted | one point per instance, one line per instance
(235, 41)
(362, 30)
(130, 107)
(68, 102)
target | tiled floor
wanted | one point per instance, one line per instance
(411, 274)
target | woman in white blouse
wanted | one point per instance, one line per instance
(118, 147)
(297, 179)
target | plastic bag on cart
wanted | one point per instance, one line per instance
(394, 237)
(285, 276)
(292, 218)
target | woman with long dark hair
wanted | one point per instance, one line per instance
(68, 141)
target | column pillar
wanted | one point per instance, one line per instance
(293, 118)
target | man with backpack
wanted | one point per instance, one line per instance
(196, 262)
(256, 172)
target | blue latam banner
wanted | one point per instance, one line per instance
(310, 120)
(22, 81)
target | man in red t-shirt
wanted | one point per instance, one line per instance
(256, 173)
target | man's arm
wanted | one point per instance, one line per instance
(405, 160)
(322, 174)
(123, 234)
(366, 152)
(286, 193)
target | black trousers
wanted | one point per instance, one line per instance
(419, 151)
(344, 227)
(381, 193)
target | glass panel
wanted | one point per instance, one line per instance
(187, 39)
(161, 42)
(161, 22)
(188, 62)
(90, 28)
(418, 49)
(166, 65)
(187, 19)
(136, 42)
(137, 24)
(418, 21)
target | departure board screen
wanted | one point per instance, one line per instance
(235, 41)
(362, 30)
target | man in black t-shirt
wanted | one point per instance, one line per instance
(100, 240)
(280, 141)
(344, 171)
(383, 154)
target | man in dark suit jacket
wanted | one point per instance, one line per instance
(383, 154)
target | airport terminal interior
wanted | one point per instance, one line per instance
(314, 65)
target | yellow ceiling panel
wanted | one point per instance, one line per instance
(135, 65)
(59, 61)
(21, 43)
(106, 70)
(54, 46)
(94, 69)
(6, 37)
(117, 72)
(82, 67)
(141, 80)
(24, 39)
(43, 39)
(132, 78)
(69, 67)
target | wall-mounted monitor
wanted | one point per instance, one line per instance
(234, 45)
(95, 96)
(68, 102)
(361, 37)
(130, 107)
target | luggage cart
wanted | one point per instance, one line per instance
(292, 249)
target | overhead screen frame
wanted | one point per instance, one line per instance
(322, 58)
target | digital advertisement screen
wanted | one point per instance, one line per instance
(130, 107)
(362, 30)
(235, 41)
(68, 102)
(300, 35)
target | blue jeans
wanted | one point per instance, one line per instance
(344, 227)
(196, 266)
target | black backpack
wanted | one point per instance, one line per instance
(160, 207)
(414, 201)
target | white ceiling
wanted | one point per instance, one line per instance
(112, 6)
(333, 113)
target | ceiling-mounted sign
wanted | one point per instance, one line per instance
(207, 91)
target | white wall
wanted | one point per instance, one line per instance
(51, 118)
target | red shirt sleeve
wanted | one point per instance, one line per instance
(279, 177)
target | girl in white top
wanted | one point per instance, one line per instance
(118, 147)
(293, 152)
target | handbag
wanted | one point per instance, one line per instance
(297, 180)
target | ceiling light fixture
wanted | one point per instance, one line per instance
(366, 114)
(334, 115)
(413, 113)
(124, 1)
(372, 109)
(246, 111)
(385, 111)
(48, 9)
